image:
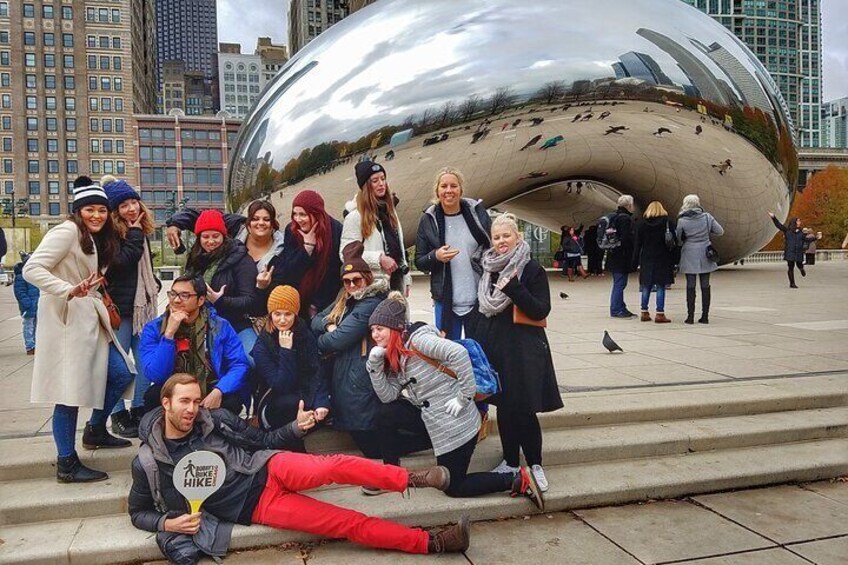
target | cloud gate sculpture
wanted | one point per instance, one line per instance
(551, 108)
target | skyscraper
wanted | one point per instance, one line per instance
(835, 123)
(187, 31)
(785, 35)
(70, 77)
(309, 18)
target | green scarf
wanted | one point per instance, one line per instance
(194, 360)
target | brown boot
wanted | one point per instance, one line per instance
(431, 477)
(661, 319)
(454, 539)
(646, 316)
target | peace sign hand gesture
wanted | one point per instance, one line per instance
(85, 286)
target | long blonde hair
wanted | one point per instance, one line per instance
(122, 227)
(366, 204)
(335, 315)
(655, 210)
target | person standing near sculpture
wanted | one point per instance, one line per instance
(655, 259)
(372, 219)
(620, 257)
(694, 230)
(85, 365)
(453, 233)
(794, 241)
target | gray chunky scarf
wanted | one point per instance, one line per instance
(492, 300)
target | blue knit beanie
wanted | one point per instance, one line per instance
(118, 191)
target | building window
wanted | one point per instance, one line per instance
(32, 166)
(7, 144)
(47, 11)
(94, 124)
(116, 43)
(120, 167)
(68, 39)
(116, 16)
(70, 124)
(104, 42)
(119, 126)
(71, 145)
(106, 104)
(4, 8)
(72, 166)
(94, 167)
(49, 60)
(5, 79)
(105, 83)
(53, 187)
(104, 63)
(92, 104)
(92, 83)
(49, 102)
(7, 166)
(6, 101)
(53, 166)
(119, 145)
(52, 145)
(116, 63)
(52, 124)
(35, 208)
(103, 15)
(67, 13)
(49, 39)
(107, 125)
(29, 59)
(53, 208)
(32, 123)
(8, 186)
(68, 61)
(29, 11)
(34, 187)
(29, 38)
(70, 82)
(92, 61)
(119, 83)
(7, 122)
(32, 144)
(95, 146)
(107, 145)
(108, 166)
(91, 41)
(70, 103)
(119, 104)
(50, 82)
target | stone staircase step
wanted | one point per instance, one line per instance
(112, 539)
(35, 457)
(35, 499)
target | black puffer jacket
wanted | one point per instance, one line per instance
(620, 259)
(123, 272)
(794, 240)
(237, 271)
(655, 259)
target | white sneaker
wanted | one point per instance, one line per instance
(541, 479)
(504, 468)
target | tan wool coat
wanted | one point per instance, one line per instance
(73, 335)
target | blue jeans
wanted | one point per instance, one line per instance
(129, 342)
(118, 376)
(646, 297)
(619, 283)
(248, 339)
(457, 322)
(29, 332)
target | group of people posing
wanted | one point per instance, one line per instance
(273, 332)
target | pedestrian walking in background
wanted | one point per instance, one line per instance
(134, 290)
(408, 371)
(288, 367)
(453, 233)
(655, 258)
(85, 365)
(794, 242)
(620, 257)
(514, 299)
(372, 219)
(229, 272)
(695, 227)
(572, 249)
(344, 341)
(810, 248)
(594, 254)
(27, 296)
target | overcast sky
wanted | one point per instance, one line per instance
(268, 18)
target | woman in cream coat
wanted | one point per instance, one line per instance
(77, 366)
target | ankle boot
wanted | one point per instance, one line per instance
(705, 306)
(791, 274)
(454, 539)
(136, 414)
(123, 425)
(71, 470)
(96, 436)
(661, 319)
(646, 316)
(432, 477)
(690, 306)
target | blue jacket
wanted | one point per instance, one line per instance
(26, 294)
(229, 361)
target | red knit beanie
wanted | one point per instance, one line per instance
(310, 201)
(210, 220)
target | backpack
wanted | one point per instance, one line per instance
(607, 232)
(485, 375)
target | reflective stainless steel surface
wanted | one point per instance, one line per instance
(644, 97)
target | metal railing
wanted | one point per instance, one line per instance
(777, 256)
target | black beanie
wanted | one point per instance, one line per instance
(365, 169)
(82, 180)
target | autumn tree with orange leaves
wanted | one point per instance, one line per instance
(823, 206)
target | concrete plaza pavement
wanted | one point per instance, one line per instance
(760, 331)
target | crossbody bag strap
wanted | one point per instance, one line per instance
(432, 362)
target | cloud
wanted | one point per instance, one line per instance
(245, 22)
(834, 49)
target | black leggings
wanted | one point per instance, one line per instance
(520, 431)
(402, 431)
(704, 279)
(790, 270)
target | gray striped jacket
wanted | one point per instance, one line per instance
(430, 389)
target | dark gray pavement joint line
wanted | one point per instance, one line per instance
(606, 537)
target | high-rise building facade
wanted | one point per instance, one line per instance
(187, 31)
(182, 159)
(835, 123)
(184, 90)
(274, 57)
(239, 79)
(309, 18)
(67, 93)
(785, 35)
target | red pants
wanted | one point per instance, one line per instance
(281, 506)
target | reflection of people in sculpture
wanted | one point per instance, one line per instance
(723, 166)
(661, 131)
(604, 115)
(552, 142)
(536, 121)
(263, 484)
(616, 129)
(577, 117)
(698, 129)
(533, 141)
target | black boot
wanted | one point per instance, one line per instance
(690, 306)
(705, 306)
(123, 425)
(136, 414)
(71, 470)
(96, 436)
(791, 273)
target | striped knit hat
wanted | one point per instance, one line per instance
(88, 195)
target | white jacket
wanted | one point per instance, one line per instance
(374, 246)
